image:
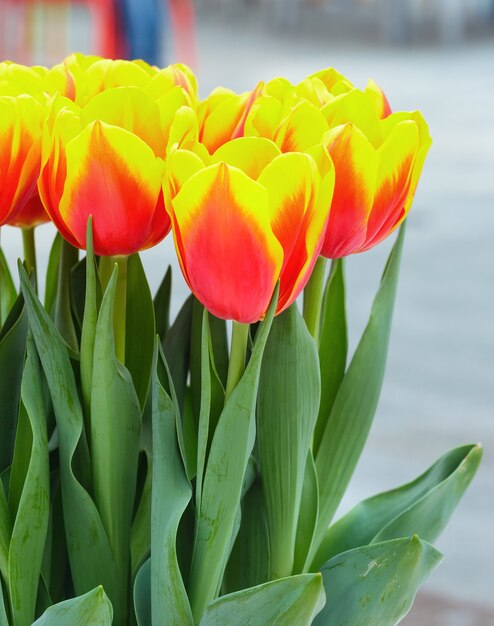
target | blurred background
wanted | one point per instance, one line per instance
(434, 55)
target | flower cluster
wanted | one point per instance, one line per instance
(255, 186)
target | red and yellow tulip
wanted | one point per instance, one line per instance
(245, 218)
(106, 159)
(21, 121)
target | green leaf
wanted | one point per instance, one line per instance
(249, 561)
(287, 407)
(176, 346)
(423, 506)
(307, 519)
(171, 494)
(219, 347)
(31, 521)
(3, 613)
(333, 345)
(161, 304)
(91, 609)
(8, 293)
(62, 310)
(231, 447)
(140, 540)
(293, 600)
(355, 404)
(52, 273)
(90, 554)
(5, 534)
(115, 435)
(140, 328)
(12, 348)
(375, 585)
(142, 595)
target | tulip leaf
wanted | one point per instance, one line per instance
(293, 600)
(5, 534)
(8, 293)
(52, 273)
(355, 404)
(161, 304)
(176, 346)
(3, 613)
(140, 328)
(231, 446)
(140, 541)
(142, 595)
(32, 510)
(288, 403)
(307, 519)
(171, 494)
(91, 609)
(249, 561)
(115, 434)
(90, 554)
(375, 585)
(333, 345)
(62, 309)
(78, 281)
(12, 348)
(423, 506)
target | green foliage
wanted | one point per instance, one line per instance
(91, 609)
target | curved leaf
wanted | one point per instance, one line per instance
(293, 600)
(231, 447)
(287, 407)
(422, 507)
(142, 595)
(91, 609)
(355, 404)
(171, 494)
(375, 585)
(8, 293)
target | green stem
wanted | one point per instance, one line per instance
(106, 266)
(236, 367)
(313, 295)
(29, 246)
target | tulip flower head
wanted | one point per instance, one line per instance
(245, 218)
(106, 159)
(21, 119)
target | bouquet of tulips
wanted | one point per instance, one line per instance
(158, 472)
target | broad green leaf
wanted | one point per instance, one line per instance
(232, 444)
(90, 554)
(115, 435)
(203, 391)
(8, 293)
(248, 564)
(31, 522)
(171, 494)
(140, 540)
(219, 345)
(142, 595)
(5, 534)
(375, 585)
(421, 507)
(286, 601)
(3, 613)
(12, 348)
(140, 328)
(91, 609)
(62, 310)
(176, 346)
(52, 273)
(307, 519)
(287, 407)
(78, 292)
(355, 404)
(90, 319)
(333, 345)
(161, 304)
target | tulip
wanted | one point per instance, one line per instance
(244, 219)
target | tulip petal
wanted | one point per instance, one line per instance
(231, 257)
(356, 163)
(250, 154)
(353, 107)
(298, 221)
(114, 176)
(219, 124)
(303, 128)
(397, 156)
(378, 98)
(182, 164)
(130, 109)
